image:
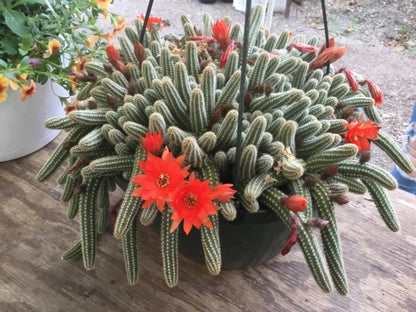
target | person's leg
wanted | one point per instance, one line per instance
(407, 182)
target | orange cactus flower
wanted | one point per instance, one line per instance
(359, 133)
(304, 48)
(113, 57)
(152, 143)
(330, 54)
(28, 91)
(375, 91)
(192, 203)
(161, 176)
(295, 203)
(53, 46)
(221, 33)
(4, 85)
(351, 80)
(153, 20)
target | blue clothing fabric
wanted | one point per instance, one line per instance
(405, 182)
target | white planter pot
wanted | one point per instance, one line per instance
(22, 129)
(277, 5)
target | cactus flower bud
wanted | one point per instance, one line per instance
(351, 80)
(340, 199)
(295, 203)
(81, 188)
(224, 56)
(375, 91)
(293, 236)
(152, 143)
(304, 48)
(113, 57)
(310, 182)
(139, 52)
(268, 89)
(348, 112)
(329, 172)
(365, 157)
(316, 222)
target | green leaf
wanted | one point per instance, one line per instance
(26, 42)
(16, 22)
(29, 2)
(9, 46)
(22, 51)
(3, 63)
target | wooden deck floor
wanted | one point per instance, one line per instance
(34, 233)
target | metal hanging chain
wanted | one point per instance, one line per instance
(236, 175)
(146, 20)
(326, 31)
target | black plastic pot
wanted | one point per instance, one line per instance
(251, 239)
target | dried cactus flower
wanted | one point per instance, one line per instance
(293, 127)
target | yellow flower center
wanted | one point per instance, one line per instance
(190, 200)
(163, 181)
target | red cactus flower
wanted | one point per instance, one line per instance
(224, 56)
(221, 32)
(359, 133)
(351, 80)
(295, 203)
(375, 91)
(114, 57)
(153, 20)
(193, 203)
(304, 48)
(161, 176)
(293, 236)
(152, 143)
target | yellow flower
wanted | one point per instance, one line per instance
(53, 46)
(79, 64)
(74, 81)
(104, 4)
(4, 84)
(121, 24)
(22, 77)
(28, 91)
(91, 41)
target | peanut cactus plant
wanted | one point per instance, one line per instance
(293, 128)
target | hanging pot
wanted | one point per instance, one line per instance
(249, 240)
(22, 129)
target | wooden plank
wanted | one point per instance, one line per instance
(35, 232)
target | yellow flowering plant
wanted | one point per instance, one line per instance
(43, 40)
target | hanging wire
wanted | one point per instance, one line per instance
(326, 31)
(146, 20)
(236, 174)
